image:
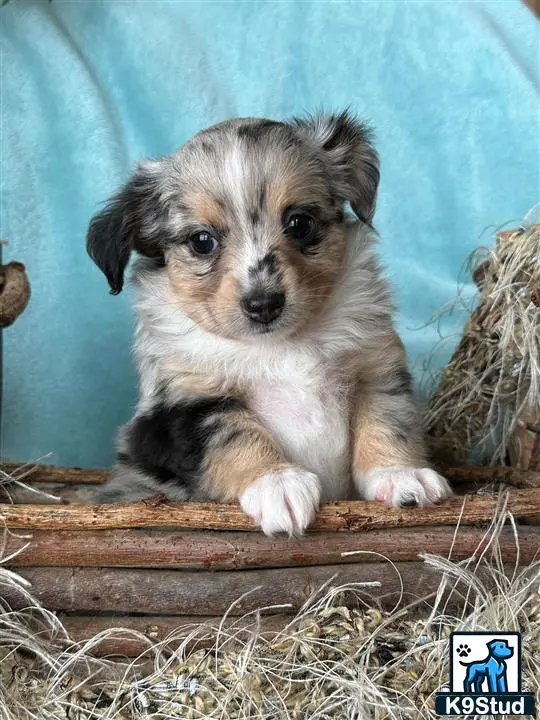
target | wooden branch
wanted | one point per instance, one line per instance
(158, 628)
(49, 494)
(69, 494)
(456, 475)
(53, 494)
(511, 476)
(234, 551)
(344, 516)
(53, 474)
(174, 592)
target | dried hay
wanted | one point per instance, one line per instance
(486, 407)
(328, 663)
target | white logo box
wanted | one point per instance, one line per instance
(476, 645)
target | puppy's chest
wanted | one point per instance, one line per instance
(308, 415)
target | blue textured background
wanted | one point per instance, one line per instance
(90, 87)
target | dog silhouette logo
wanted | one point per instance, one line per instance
(491, 670)
(485, 676)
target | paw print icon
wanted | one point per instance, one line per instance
(463, 651)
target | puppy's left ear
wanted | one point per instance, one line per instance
(352, 160)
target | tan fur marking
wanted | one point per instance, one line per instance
(374, 446)
(293, 185)
(207, 210)
(311, 279)
(199, 385)
(183, 378)
(231, 469)
(376, 362)
(211, 300)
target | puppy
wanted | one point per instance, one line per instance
(270, 372)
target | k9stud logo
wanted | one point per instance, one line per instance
(485, 676)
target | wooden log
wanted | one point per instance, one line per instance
(174, 592)
(351, 516)
(510, 476)
(54, 474)
(67, 494)
(48, 494)
(158, 628)
(54, 494)
(239, 550)
(456, 475)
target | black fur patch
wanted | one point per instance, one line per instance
(207, 147)
(346, 130)
(262, 196)
(122, 226)
(170, 442)
(254, 131)
(265, 264)
(261, 199)
(313, 246)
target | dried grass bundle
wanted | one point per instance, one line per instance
(486, 407)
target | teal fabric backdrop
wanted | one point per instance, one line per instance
(88, 88)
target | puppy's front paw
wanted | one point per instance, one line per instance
(283, 500)
(405, 487)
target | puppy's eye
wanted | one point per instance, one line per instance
(300, 226)
(203, 243)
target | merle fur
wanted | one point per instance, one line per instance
(351, 158)
(254, 131)
(400, 382)
(132, 220)
(169, 443)
(136, 217)
(266, 264)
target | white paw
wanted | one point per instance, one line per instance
(283, 501)
(402, 487)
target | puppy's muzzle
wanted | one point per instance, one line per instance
(262, 307)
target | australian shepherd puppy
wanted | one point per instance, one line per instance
(270, 371)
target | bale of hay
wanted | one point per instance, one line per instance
(486, 407)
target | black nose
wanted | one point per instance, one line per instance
(263, 307)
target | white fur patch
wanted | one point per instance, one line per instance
(283, 501)
(308, 416)
(403, 486)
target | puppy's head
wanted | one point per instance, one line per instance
(247, 220)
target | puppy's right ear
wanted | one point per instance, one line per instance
(130, 221)
(346, 144)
